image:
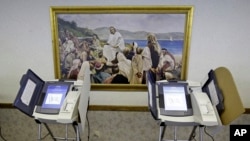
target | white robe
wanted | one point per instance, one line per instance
(146, 58)
(115, 44)
(124, 65)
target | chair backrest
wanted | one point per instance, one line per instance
(232, 102)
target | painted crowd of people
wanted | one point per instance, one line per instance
(115, 62)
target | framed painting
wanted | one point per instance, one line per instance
(121, 43)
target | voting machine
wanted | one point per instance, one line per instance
(61, 102)
(184, 103)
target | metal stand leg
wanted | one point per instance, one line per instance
(51, 134)
(192, 133)
(201, 133)
(66, 132)
(77, 133)
(39, 132)
(76, 129)
(66, 138)
(175, 136)
(162, 131)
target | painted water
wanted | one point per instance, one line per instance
(173, 46)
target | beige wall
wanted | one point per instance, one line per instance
(220, 37)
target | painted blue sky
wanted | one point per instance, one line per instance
(156, 23)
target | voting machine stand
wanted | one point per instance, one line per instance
(66, 137)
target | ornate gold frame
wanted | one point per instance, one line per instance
(186, 10)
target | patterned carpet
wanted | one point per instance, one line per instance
(106, 126)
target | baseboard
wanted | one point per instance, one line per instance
(108, 108)
(6, 105)
(247, 111)
(118, 108)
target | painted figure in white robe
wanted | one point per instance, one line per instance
(68, 46)
(136, 67)
(151, 56)
(124, 65)
(115, 44)
(146, 63)
(167, 64)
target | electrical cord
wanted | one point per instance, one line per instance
(1, 136)
(208, 133)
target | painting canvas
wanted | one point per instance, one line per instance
(121, 43)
